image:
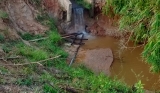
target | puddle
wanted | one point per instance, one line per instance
(130, 69)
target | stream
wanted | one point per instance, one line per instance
(127, 67)
(130, 68)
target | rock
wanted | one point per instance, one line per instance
(99, 60)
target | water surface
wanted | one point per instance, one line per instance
(129, 68)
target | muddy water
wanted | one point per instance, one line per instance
(130, 68)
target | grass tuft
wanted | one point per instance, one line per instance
(3, 14)
(32, 53)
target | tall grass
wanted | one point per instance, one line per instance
(142, 17)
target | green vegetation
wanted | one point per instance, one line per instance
(3, 70)
(2, 37)
(54, 76)
(84, 3)
(28, 36)
(3, 14)
(143, 17)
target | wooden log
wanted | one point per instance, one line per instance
(79, 38)
(74, 57)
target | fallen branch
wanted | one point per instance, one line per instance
(38, 62)
(67, 36)
(63, 37)
(71, 89)
(38, 39)
(80, 43)
(22, 75)
(43, 38)
(9, 58)
(137, 46)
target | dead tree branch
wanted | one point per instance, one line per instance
(38, 62)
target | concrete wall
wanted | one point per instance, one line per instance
(67, 5)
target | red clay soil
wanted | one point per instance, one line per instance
(104, 25)
(53, 8)
(97, 30)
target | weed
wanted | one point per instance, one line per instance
(3, 70)
(49, 89)
(2, 38)
(139, 87)
(26, 81)
(6, 49)
(27, 70)
(32, 53)
(2, 81)
(7, 46)
(3, 14)
(28, 36)
(54, 37)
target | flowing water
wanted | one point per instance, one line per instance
(127, 67)
(79, 20)
(130, 68)
(79, 24)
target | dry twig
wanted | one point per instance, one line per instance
(38, 62)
